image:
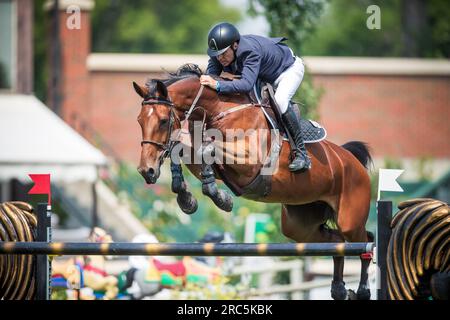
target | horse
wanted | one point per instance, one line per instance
(337, 188)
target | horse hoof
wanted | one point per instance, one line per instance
(226, 202)
(187, 203)
(351, 295)
(363, 293)
(338, 291)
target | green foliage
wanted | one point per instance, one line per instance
(156, 26)
(3, 79)
(424, 168)
(40, 44)
(338, 27)
(392, 163)
(342, 30)
(292, 19)
(439, 20)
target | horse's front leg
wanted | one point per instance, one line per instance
(209, 186)
(185, 199)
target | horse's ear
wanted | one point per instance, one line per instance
(161, 89)
(140, 90)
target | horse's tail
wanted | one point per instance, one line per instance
(361, 152)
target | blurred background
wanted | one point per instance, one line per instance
(377, 71)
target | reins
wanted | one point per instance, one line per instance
(169, 143)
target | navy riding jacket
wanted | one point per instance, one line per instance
(256, 57)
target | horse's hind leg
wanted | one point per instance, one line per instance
(363, 292)
(352, 217)
(307, 223)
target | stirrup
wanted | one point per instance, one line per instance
(306, 163)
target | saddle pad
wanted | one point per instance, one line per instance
(311, 131)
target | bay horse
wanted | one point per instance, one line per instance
(337, 188)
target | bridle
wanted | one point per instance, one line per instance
(169, 143)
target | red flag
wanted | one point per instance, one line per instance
(41, 185)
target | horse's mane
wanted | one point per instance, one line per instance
(185, 71)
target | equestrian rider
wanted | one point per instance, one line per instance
(253, 57)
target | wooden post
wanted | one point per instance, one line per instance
(43, 267)
(384, 218)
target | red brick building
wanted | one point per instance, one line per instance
(401, 107)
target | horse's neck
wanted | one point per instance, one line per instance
(185, 93)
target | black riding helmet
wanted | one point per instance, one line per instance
(221, 37)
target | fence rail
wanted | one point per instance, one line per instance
(191, 249)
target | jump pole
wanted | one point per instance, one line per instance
(43, 247)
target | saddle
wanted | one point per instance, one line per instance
(311, 130)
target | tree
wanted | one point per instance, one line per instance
(154, 26)
(415, 28)
(295, 20)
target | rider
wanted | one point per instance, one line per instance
(255, 57)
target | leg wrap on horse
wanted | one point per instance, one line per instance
(177, 177)
(186, 201)
(209, 188)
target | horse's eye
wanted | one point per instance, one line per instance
(163, 122)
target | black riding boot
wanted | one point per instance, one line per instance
(301, 160)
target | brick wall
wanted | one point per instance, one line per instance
(114, 110)
(75, 47)
(399, 116)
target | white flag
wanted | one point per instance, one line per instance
(387, 180)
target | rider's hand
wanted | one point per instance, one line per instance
(208, 81)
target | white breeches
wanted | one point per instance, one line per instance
(287, 84)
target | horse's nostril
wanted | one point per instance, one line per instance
(151, 171)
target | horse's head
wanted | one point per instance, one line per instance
(156, 119)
